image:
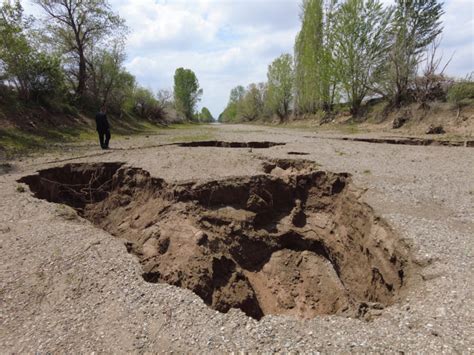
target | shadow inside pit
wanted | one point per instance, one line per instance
(297, 153)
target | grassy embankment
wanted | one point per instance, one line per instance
(458, 125)
(22, 136)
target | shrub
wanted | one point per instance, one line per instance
(461, 93)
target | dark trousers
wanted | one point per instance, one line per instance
(104, 138)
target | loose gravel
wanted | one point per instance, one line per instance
(67, 286)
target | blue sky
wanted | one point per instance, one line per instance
(231, 42)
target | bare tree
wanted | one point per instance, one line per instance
(432, 84)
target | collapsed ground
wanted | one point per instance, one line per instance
(296, 241)
(63, 275)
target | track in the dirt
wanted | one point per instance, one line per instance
(410, 141)
(293, 241)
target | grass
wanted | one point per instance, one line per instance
(206, 134)
(15, 142)
(350, 128)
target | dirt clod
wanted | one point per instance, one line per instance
(294, 241)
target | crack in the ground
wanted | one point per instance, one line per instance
(408, 141)
(222, 144)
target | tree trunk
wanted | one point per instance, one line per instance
(81, 85)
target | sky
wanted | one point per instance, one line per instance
(232, 42)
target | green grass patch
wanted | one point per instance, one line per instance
(193, 138)
(15, 142)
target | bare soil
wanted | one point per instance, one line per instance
(154, 247)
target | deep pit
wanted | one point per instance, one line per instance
(221, 144)
(293, 241)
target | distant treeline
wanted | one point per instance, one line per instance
(348, 52)
(75, 62)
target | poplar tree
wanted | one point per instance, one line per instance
(361, 43)
(187, 92)
(280, 86)
(308, 58)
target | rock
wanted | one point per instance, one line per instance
(435, 130)
(399, 121)
(256, 203)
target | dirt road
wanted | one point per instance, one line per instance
(78, 278)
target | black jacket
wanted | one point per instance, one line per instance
(101, 122)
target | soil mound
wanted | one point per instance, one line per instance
(294, 241)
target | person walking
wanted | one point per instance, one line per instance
(103, 128)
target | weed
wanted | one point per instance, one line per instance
(20, 189)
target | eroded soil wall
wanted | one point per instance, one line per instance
(293, 240)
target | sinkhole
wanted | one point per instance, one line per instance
(292, 240)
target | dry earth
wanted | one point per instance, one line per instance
(236, 225)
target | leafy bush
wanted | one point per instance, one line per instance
(461, 93)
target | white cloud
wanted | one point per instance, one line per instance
(225, 42)
(165, 26)
(458, 37)
(231, 42)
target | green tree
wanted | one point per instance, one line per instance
(205, 115)
(75, 26)
(316, 72)
(230, 112)
(361, 44)
(252, 104)
(36, 75)
(108, 79)
(237, 94)
(309, 54)
(280, 86)
(187, 92)
(416, 25)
